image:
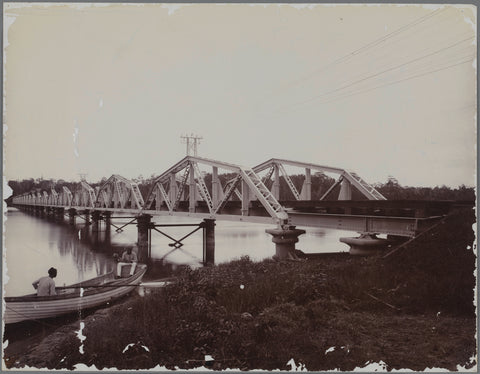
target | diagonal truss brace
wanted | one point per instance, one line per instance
(289, 182)
(263, 194)
(230, 188)
(203, 187)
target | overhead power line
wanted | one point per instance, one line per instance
(381, 72)
(367, 46)
(470, 59)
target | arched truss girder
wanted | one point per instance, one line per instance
(53, 197)
(171, 186)
(84, 196)
(119, 192)
(65, 197)
(347, 178)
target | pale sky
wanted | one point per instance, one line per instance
(382, 90)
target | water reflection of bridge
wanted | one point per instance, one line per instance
(209, 190)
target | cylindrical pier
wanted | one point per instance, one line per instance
(366, 244)
(59, 214)
(208, 241)
(96, 217)
(71, 216)
(144, 225)
(285, 239)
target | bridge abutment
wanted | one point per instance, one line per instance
(285, 240)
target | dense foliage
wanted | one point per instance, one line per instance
(331, 313)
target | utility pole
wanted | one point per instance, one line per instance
(192, 142)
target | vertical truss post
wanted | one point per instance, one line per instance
(276, 183)
(208, 241)
(306, 193)
(345, 190)
(215, 187)
(192, 188)
(173, 188)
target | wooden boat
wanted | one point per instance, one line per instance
(83, 295)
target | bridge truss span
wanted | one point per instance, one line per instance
(188, 187)
(209, 189)
(118, 192)
(277, 168)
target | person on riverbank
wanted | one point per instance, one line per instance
(128, 258)
(45, 286)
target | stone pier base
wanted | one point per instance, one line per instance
(285, 240)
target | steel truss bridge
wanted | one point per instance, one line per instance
(232, 192)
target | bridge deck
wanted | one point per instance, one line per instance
(402, 218)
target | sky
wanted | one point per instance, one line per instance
(102, 89)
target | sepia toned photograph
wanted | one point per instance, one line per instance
(239, 186)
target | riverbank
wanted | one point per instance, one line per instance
(413, 309)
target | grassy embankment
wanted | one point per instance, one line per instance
(411, 310)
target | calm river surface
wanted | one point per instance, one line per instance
(34, 244)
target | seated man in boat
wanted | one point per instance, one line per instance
(45, 286)
(128, 258)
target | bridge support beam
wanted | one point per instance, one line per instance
(71, 216)
(285, 240)
(208, 241)
(143, 244)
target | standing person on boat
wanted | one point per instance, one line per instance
(128, 258)
(45, 286)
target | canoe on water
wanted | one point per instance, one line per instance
(70, 299)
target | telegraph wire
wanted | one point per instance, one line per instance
(352, 93)
(368, 46)
(470, 59)
(380, 73)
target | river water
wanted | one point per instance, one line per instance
(32, 245)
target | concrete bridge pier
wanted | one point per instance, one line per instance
(208, 241)
(144, 225)
(285, 239)
(366, 244)
(71, 216)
